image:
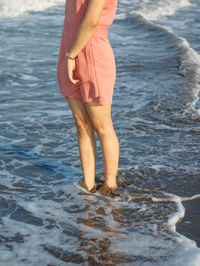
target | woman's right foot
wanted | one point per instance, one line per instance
(109, 191)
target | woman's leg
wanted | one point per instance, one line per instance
(100, 115)
(86, 140)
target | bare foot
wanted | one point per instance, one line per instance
(83, 184)
(109, 191)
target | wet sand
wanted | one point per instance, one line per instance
(190, 224)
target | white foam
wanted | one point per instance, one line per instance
(174, 218)
(190, 66)
(190, 59)
(179, 214)
(9, 8)
(145, 244)
(33, 245)
(120, 16)
(189, 248)
(190, 62)
(153, 10)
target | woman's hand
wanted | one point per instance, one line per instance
(71, 70)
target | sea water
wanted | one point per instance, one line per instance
(46, 218)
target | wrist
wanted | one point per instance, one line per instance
(67, 55)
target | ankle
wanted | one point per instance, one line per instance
(86, 185)
(111, 185)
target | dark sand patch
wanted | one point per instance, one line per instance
(190, 224)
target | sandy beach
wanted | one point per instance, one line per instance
(190, 224)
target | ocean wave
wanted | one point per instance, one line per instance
(153, 10)
(10, 9)
(189, 66)
(150, 9)
(150, 12)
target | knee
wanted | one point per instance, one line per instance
(83, 126)
(103, 129)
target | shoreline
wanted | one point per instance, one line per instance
(189, 226)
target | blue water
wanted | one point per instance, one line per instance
(45, 217)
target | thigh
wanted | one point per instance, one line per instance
(100, 115)
(79, 111)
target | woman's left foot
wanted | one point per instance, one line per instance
(83, 184)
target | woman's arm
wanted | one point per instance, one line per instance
(87, 26)
(85, 31)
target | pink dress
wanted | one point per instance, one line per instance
(95, 64)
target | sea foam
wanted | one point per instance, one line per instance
(156, 9)
(10, 9)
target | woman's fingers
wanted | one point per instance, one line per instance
(71, 66)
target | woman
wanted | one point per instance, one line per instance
(86, 73)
